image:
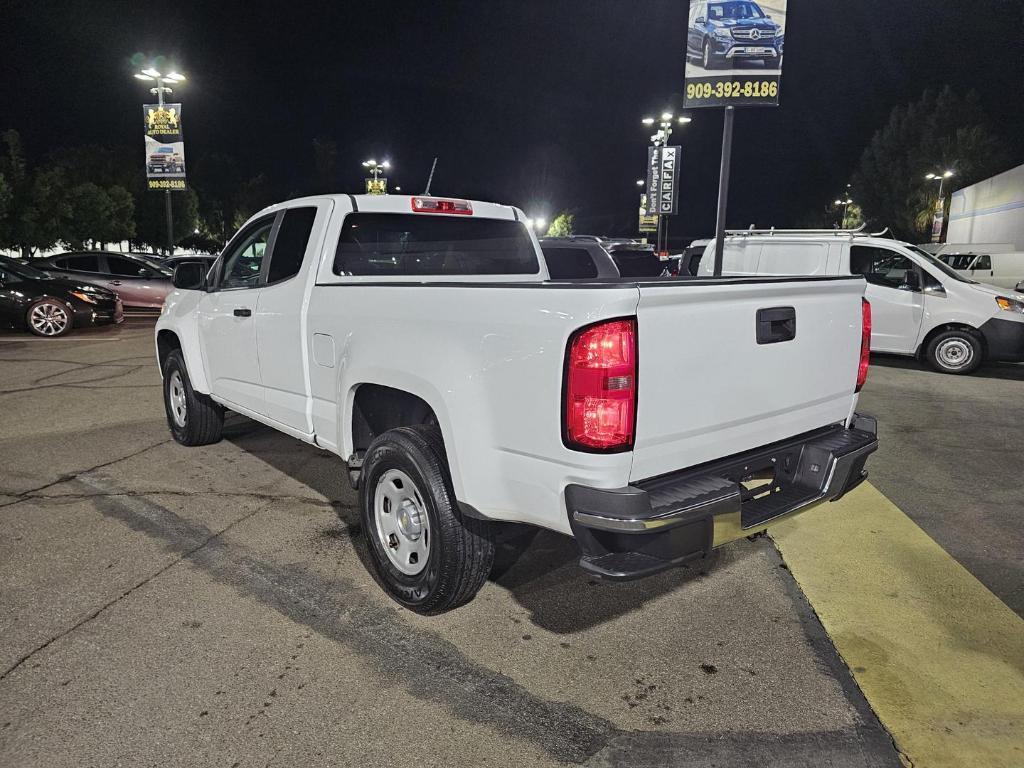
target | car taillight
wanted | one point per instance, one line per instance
(441, 205)
(865, 344)
(600, 387)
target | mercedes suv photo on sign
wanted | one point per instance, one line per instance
(734, 53)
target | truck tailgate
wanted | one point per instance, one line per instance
(708, 388)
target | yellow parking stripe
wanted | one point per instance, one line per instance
(938, 656)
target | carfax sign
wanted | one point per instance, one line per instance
(165, 147)
(662, 180)
(734, 53)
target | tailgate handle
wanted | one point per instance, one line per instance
(775, 325)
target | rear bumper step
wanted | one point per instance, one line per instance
(655, 524)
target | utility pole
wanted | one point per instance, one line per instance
(723, 188)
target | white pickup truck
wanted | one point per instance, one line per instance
(421, 339)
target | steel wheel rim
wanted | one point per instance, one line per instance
(403, 526)
(707, 55)
(49, 319)
(955, 353)
(176, 398)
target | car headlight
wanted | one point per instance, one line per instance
(83, 296)
(724, 33)
(1010, 305)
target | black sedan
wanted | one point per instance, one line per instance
(51, 306)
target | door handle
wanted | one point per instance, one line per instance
(242, 312)
(775, 325)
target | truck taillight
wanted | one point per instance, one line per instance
(865, 344)
(600, 387)
(441, 205)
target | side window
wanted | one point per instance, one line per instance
(880, 266)
(290, 245)
(569, 263)
(125, 267)
(84, 263)
(983, 262)
(243, 263)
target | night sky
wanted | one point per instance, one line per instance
(535, 103)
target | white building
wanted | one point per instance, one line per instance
(991, 211)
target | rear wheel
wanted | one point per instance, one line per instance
(193, 417)
(423, 551)
(957, 351)
(50, 318)
(707, 57)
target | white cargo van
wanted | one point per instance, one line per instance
(1003, 270)
(920, 306)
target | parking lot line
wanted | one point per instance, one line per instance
(937, 655)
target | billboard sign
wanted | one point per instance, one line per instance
(662, 180)
(734, 53)
(165, 147)
(377, 186)
(648, 222)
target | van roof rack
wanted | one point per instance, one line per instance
(858, 232)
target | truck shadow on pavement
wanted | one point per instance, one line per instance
(538, 568)
(1005, 371)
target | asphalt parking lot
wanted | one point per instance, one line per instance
(197, 607)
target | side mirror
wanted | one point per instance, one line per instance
(701, 20)
(911, 282)
(190, 276)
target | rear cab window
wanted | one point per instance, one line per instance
(420, 245)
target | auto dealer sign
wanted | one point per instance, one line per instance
(662, 180)
(734, 53)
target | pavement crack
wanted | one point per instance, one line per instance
(92, 615)
(32, 492)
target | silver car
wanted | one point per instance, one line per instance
(140, 282)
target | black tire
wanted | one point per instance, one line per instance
(958, 352)
(460, 550)
(708, 60)
(202, 420)
(50, 318)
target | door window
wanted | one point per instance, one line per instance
(880, 266)
(125, 267)
(83, 263)
(290, 245)
(983, 262)
(244, 261)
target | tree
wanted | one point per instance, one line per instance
(939, 131)
(562, 225)
(151, 217)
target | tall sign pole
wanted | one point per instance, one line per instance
(733, 59)
(165, 144)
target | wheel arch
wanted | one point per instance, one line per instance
(965, 327)
(373, 408)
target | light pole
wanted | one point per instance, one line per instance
(376, 168)
(940, 204)
(154, 75)
(661, 139)
(846, 209)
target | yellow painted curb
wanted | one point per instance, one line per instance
(938, 656)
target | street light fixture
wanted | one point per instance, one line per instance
(376, 168)
(150, 74)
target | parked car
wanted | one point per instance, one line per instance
(48, 306)
(142, 284)
(724, 32)
(921, 307)
(421, 339)
(580, 259)
(1003, 270)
